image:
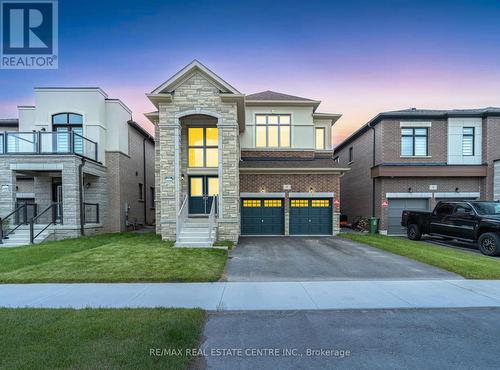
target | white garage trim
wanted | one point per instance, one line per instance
(262, 195)
(408, 195)
(311, 195)
(25, 195)
(457, 195)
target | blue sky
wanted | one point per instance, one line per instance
(358, 57)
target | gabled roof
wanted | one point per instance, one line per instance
(187, 72)
(414, 113)
(273, 95)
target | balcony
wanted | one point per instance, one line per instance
(47, 143)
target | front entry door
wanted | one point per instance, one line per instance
(201, 192)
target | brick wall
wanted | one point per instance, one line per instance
(278, 154)
(491, 151)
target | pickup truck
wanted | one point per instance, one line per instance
(471, 221)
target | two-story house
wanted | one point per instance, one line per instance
(77, 164)
(411, 159)
(229, 164)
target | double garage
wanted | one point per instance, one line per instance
(306, 215)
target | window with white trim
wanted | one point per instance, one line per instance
(320, 138)
(414, 142)
(272, 130)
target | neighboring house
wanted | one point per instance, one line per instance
(411, 159)
(266, 159)
(75, 159)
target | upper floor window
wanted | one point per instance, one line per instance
(69, 126)
(272, 130)
(320, 138)
(414, 142)
(351, 157)
(67, 119)
(203, 148)
(468, 141)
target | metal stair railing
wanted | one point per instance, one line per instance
(13, 215)
(56, 209)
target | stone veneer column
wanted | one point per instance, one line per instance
(71, 193)
(169, 178)
(42, 187)
(7, 189)
(229, 211)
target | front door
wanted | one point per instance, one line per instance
(202, 189)
(57, 196)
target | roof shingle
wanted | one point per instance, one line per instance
(272, 95)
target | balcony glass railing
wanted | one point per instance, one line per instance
(41, 142)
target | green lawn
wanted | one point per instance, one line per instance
(122, 257)
(469, 265)
(96, 338)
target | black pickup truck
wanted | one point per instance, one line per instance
(474, 221)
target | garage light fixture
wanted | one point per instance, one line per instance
(262, 189)
(311, 190)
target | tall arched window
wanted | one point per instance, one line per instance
(69, 129)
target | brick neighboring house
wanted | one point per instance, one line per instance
(77, 159)
(414, 158)
(229, 164)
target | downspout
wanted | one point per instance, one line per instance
(373, 165)
(80, 190)
(144, 178)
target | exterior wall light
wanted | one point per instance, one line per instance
(182, 177)
(262, 189)
(311, 190)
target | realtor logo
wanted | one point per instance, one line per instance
(29, 34)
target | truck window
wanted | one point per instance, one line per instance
(444, 209)
(463, 208)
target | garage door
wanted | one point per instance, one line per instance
(262, 217)
(396, 207)
(496, 181)
(310, 216)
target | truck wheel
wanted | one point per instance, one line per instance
(413, 232)
(489, 244)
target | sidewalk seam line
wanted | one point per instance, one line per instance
(473, 291)
(308, 295)
(218, 308)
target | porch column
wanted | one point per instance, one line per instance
(169, 174)
(7, 189)
(42, 187)
(229, 193)
(71, 195)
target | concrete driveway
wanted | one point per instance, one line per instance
(370, 339)
(320, 258)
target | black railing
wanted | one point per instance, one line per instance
(20, 213)
(26, 214)
(91, 213)
(41, 142)
(56, 215)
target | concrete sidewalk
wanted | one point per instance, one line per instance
(231, 296)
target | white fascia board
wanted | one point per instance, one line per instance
(408, 195)
(457, 195)
(415, 124)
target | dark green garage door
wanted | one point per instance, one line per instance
(262, 217)
(310, 217)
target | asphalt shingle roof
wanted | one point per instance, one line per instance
(273, 95)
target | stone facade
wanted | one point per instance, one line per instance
(196, 96)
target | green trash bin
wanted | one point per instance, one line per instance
(373, 225)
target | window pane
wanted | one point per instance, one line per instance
(284, 120)
(212, 157)
(195, 157)
(60, 118)
(196, 186)
(420, 131)
(407, 131)
(260, 139)
(285, 136)
(406, 145)
(272, 140)
(195, 136)
(272, 120)
(76, 119)
(468, 130)
(212, 136)
(260, 119)
(320, 138)
(420, 145)
(213, 186)
(468, 145)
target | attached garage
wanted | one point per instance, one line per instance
(396, 208)
(496, 181)
(310, 216)
(260, 216)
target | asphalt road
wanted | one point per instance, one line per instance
(362, 339)
(320, 258)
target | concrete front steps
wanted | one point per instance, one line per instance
(22, 236)
(195, 233)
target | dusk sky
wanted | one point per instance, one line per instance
(358, 57)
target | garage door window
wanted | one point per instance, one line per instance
(272, 203)
(321, 203)
(300, 203)
(247, 203)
